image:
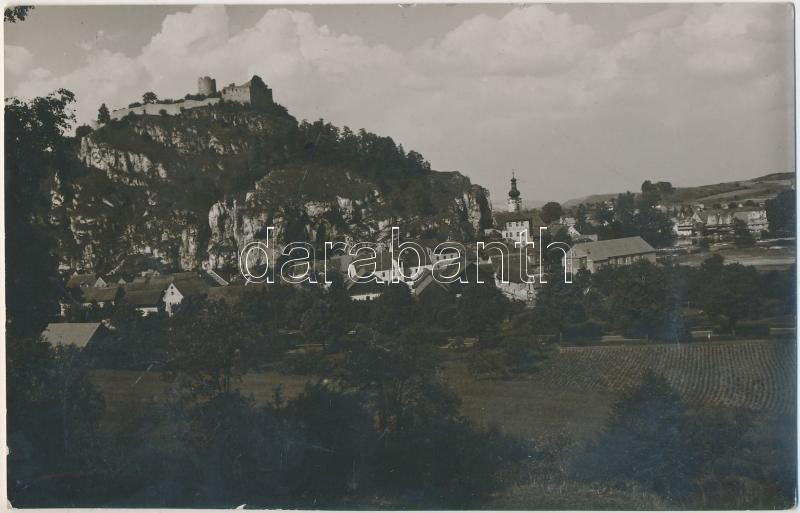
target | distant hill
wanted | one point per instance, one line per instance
(756, 189)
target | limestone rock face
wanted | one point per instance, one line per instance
(363, 215)
(192, 190)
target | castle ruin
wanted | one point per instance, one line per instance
(206, 86)
(253, 92)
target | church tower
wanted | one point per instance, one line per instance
(514, 201)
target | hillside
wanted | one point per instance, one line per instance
(197, 186)
(756, 189)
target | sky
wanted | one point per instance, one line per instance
(575, 99)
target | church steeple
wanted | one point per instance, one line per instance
(514, 201)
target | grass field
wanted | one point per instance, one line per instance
(762, 258)
(570, 394)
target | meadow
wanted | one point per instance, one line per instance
(569, 394)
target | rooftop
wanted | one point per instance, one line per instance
(77, 334)
(605, 249)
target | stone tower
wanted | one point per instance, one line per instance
(514, 200)
(206, 86)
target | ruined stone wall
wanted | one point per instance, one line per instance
(154, 109)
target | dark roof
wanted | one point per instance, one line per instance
(77, 334)
(98, 294)
(605, 249)
(82, 280)
(425, 282)
(144, 298)
(383, 262)
(164, 280)
(234, 294)
(192, 287)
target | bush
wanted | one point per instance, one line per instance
(83, 131)
(582, 332)
(752, 329)
(306, 363)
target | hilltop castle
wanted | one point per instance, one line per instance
(253, 92)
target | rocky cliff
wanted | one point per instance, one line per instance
(193, 189)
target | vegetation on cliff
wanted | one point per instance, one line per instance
(163, 169)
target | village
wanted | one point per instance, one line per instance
(429, 267)
(585, 300)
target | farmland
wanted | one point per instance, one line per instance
(570, 393)
(757, 189)
(761, 257)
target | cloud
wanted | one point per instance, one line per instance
(19, 60)
(101, 37)
(526, 41)
(534, 87)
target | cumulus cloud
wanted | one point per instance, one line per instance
(495, 92)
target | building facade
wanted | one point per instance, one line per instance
(613, 252)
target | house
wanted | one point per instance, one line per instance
(595, 255)
(568, 221)
(426, 285)
(115, 279)
(78, 334)
(718, 222)
(89, 296)
(683, 226)
(382, 265)
(146, 301)
(155, 291)
(364, 291)
(178, 290)
(85, 280)
(756, 220)
(509, 279)
(98, 295)
(520, 226)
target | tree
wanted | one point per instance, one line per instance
(53, 415)
(82, 131)
(149, 97)
(558, 305)
(400, 380)
(731, 295)
(36, 152)
(322, 324)
(654, 226)
(481, 307)
(103, 115)
(644, 300)
(781, 212)
(393, 310)
(18, 13)
(551, 212)
(212, 346)
(741, 234)
(647, 441)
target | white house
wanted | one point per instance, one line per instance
(520, 226)
(595, 255)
